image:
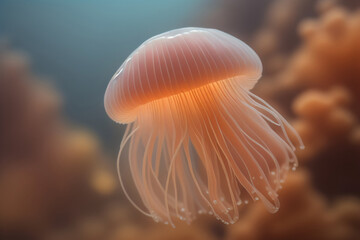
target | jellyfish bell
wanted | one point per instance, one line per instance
(198, 141)
(177, 61)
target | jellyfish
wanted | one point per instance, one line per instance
(197, 140)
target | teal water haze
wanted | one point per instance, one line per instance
(80, 44)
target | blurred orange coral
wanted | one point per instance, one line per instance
(327, 71)
(320, 84)
(324, 119)
(304, 214)
(47, 168)
(330, 54)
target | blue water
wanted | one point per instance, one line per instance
(80, 44)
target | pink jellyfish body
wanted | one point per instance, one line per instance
(197, 141)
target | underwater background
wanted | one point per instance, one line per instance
(58, 147)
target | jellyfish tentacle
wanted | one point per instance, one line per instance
(168, 177)
(293, 131)
(218, 159)
(218, 145)
(265, 132)
(253, 189)
(271, 157)
(153, 199)
(127, 137)
(229, 156)
(195, 136)
(181, 163)
(214, 192)
(283, 125)
(135, 149)
(263, 145)
(217, 133)
(278, 123)
(217, 152)
(246, 140)
(199, 186)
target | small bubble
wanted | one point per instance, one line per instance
(182, 209)
(246, 201)
(214, 201)
(238, 203)
(273, 173)
(166, 223)
(256, 198)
